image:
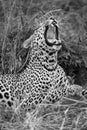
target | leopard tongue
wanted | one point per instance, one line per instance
(51, 34)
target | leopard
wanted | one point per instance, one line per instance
(43, 80)
(49, 80)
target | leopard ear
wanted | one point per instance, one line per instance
(27, 42)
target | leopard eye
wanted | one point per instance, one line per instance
(51, 34)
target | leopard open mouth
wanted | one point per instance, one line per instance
(51, 34)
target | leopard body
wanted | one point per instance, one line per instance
(42, 80)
